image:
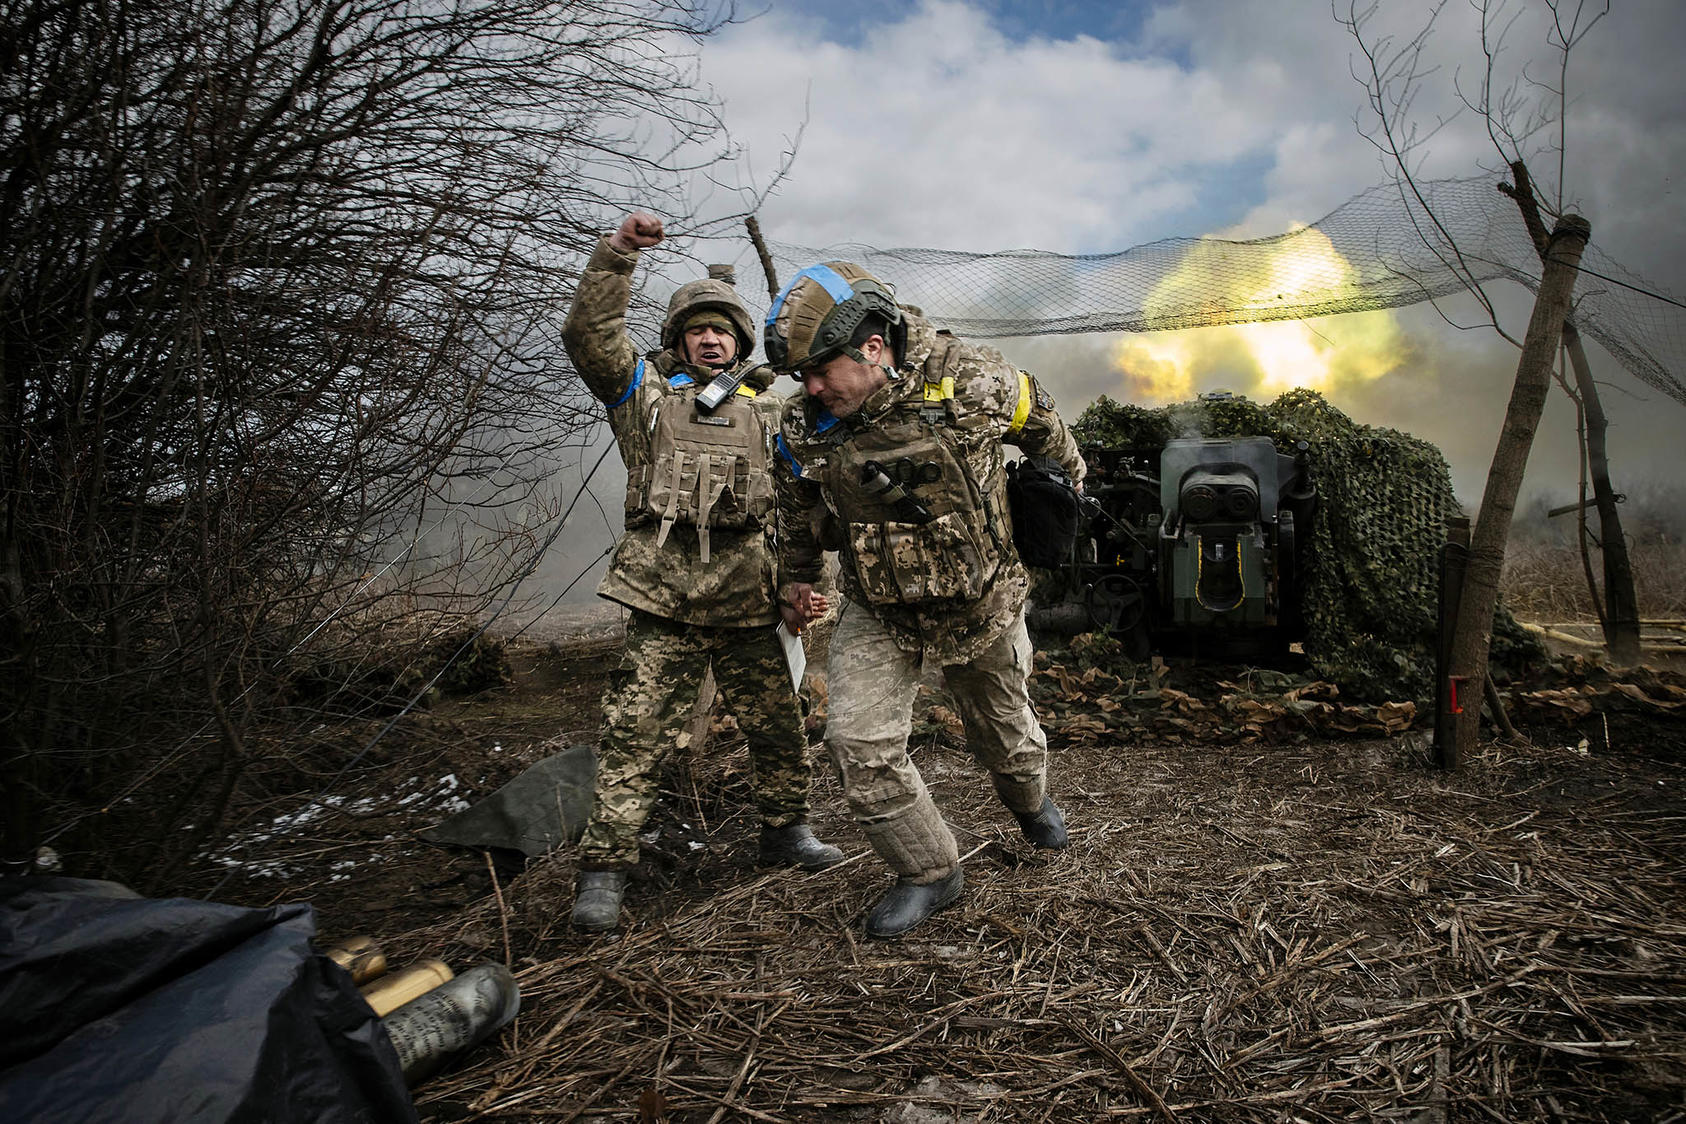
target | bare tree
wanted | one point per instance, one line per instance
(1524, 118)
(281, 286)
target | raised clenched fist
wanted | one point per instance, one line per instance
(638, 231)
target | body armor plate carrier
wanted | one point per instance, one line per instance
(706, 470)
(933, 534)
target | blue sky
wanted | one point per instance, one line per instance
(1120, 22)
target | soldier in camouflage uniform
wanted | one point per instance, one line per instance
(694, 567)
(894, 459)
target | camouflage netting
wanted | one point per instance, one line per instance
(1372, 585)
(1377, 250)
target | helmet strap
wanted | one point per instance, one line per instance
(859, 356)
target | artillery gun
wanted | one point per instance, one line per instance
(1278, 524)
(1197, 547)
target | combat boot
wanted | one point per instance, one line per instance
(597, 900)
(796, 845)
(1045, 828)
(908, 903)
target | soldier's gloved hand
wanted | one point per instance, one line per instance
(638, 231)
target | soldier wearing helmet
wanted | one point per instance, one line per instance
(694, 567)
(894, 459)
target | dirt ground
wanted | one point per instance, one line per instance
(1265, 915)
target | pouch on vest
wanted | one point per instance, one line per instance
(1046, 511)
(706, 470)
(944, 559)
(932, 536)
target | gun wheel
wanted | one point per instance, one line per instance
(1115, 603)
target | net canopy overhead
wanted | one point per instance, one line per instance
(1383, 248)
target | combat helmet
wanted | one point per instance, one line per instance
(694, 296)
(819, 310)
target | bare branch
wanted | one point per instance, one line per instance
(280, 372)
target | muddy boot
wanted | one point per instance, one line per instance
(908, 903)
(597, 900)
(1044, 828)
(796, 845)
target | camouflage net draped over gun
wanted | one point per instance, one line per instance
(1371, 589)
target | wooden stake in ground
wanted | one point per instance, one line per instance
(1473, 634)
(1621, 605)
(1618, 607)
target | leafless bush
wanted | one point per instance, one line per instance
(280, 289)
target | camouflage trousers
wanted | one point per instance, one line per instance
(645, 709)
(871, 683)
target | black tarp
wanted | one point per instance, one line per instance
(116, 1007)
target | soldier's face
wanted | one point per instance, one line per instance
(841, 384)
(709, 346)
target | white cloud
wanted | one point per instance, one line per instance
(937, 131)
(1225, 117)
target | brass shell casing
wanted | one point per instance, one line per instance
(360, 956)
(389, 993)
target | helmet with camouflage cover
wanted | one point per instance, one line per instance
(712, 296)
(819, 310)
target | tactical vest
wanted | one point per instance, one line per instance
(935, 532)
(706, 470)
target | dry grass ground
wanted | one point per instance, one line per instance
(1322, 931)
(1318, 929)
(1545, 582)
(1300, 927)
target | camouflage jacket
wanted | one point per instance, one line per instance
(946, 578)
(734, 587)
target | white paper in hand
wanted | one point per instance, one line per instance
(794, 656)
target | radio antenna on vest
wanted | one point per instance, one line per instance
(724, 384)
(721, 387)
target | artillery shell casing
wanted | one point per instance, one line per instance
(341, 951)
(389, 993)
(366, 966)
(429, 1030)
(360, 956)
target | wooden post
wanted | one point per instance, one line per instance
(1621, 604)
(1473, 632)
(1454, 558)
(767, 268)
(1618, 608)
(1496, 707)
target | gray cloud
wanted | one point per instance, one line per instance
(938, 130)
(929, 126)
